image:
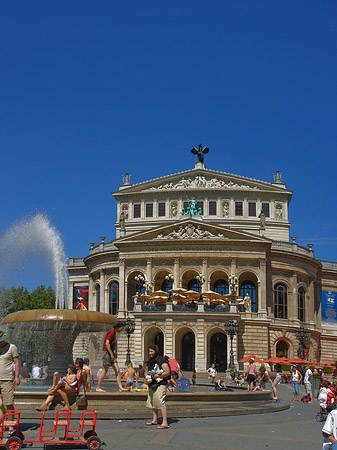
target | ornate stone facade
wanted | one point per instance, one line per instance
(283, 280)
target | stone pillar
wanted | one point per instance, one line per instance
(206, 285)
(176, 274)
(122, 306)
(168, 341)
(104, 299)
(70, 295)
(262, 288)
(292, 301)
(310, 309)
(138, 343)
(149, 270)
(91, 303)
(200, 346)
(233, 266)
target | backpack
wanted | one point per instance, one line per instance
(331, 398)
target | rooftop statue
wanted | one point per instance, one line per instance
(200, 152)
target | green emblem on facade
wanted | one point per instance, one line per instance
(192, 209)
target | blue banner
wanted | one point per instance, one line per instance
(329, 306)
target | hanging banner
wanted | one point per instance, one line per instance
(80, 297)
(329, 306)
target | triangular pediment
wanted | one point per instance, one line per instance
(203, 179)
(192, 229)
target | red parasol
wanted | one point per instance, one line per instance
(299, 361)
(248, 358)
(277, 360)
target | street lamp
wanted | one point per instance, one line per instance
(201, 280)
(129, 329)
(233, 285)
(302, 334)
(169, 278)
(231, 327)
(140, 281)
(147, 286)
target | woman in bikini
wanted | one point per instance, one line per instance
(70, 384)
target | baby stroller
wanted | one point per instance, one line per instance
(323, 412)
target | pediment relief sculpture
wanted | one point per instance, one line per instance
(200, 181)
(191, 232)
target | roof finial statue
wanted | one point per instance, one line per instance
(200, 152)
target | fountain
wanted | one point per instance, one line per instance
(61, 326)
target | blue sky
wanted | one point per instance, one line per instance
(91, 90)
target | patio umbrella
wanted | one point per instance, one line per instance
(160, 293)
(299, 361)
(277, 360)
(178, 290)
(248, 358)
(211, 295)
(219, 301)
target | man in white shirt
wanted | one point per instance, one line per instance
(329, 432)
(307, 381)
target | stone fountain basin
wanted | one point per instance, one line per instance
(60, 327)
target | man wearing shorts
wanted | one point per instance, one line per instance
(307, 382)
(110, 356)
(8, 356)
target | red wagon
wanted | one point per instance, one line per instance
(61, 433)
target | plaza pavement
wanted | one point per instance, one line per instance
(292, 429)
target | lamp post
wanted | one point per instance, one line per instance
(302, 334)
(129, 329)
(201, 280)
(231, 327)
(140, 281)
(169, 278)
(233, 286)
(147, 286)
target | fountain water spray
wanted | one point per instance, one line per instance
(36, 235)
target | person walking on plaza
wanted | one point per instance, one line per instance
(157, 374)
(307, 381)
(212, 372)
(110, 356)
(8, 355)
(251, 375)
(296, 378)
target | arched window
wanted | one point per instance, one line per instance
(98, 297)
(158, 340)
(166, 285)
(250, 288)
(221, 287)
(301, 304)
(282, 349)
(194, 285)
(280, 301)
(113, 297)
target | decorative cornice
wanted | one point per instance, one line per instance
(199, 181)
(190, 231)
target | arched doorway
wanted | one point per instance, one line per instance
(158, 340)
(218, 351)
(188, 351)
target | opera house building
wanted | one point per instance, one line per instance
(204, 265)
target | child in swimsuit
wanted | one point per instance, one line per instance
(131, 373)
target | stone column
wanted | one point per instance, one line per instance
(122, 306)
(206, 285)
(262, 288)
(168, 341)
(176, 274)
(233, 266)
(91, 303)
(138, 343)
(292, 301)
(310, 309)
(104, 299)
(70, 295)
(200, 346)
(149, 270)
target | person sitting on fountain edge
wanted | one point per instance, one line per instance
(110, 356)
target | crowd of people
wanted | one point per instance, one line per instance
(160, 376)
